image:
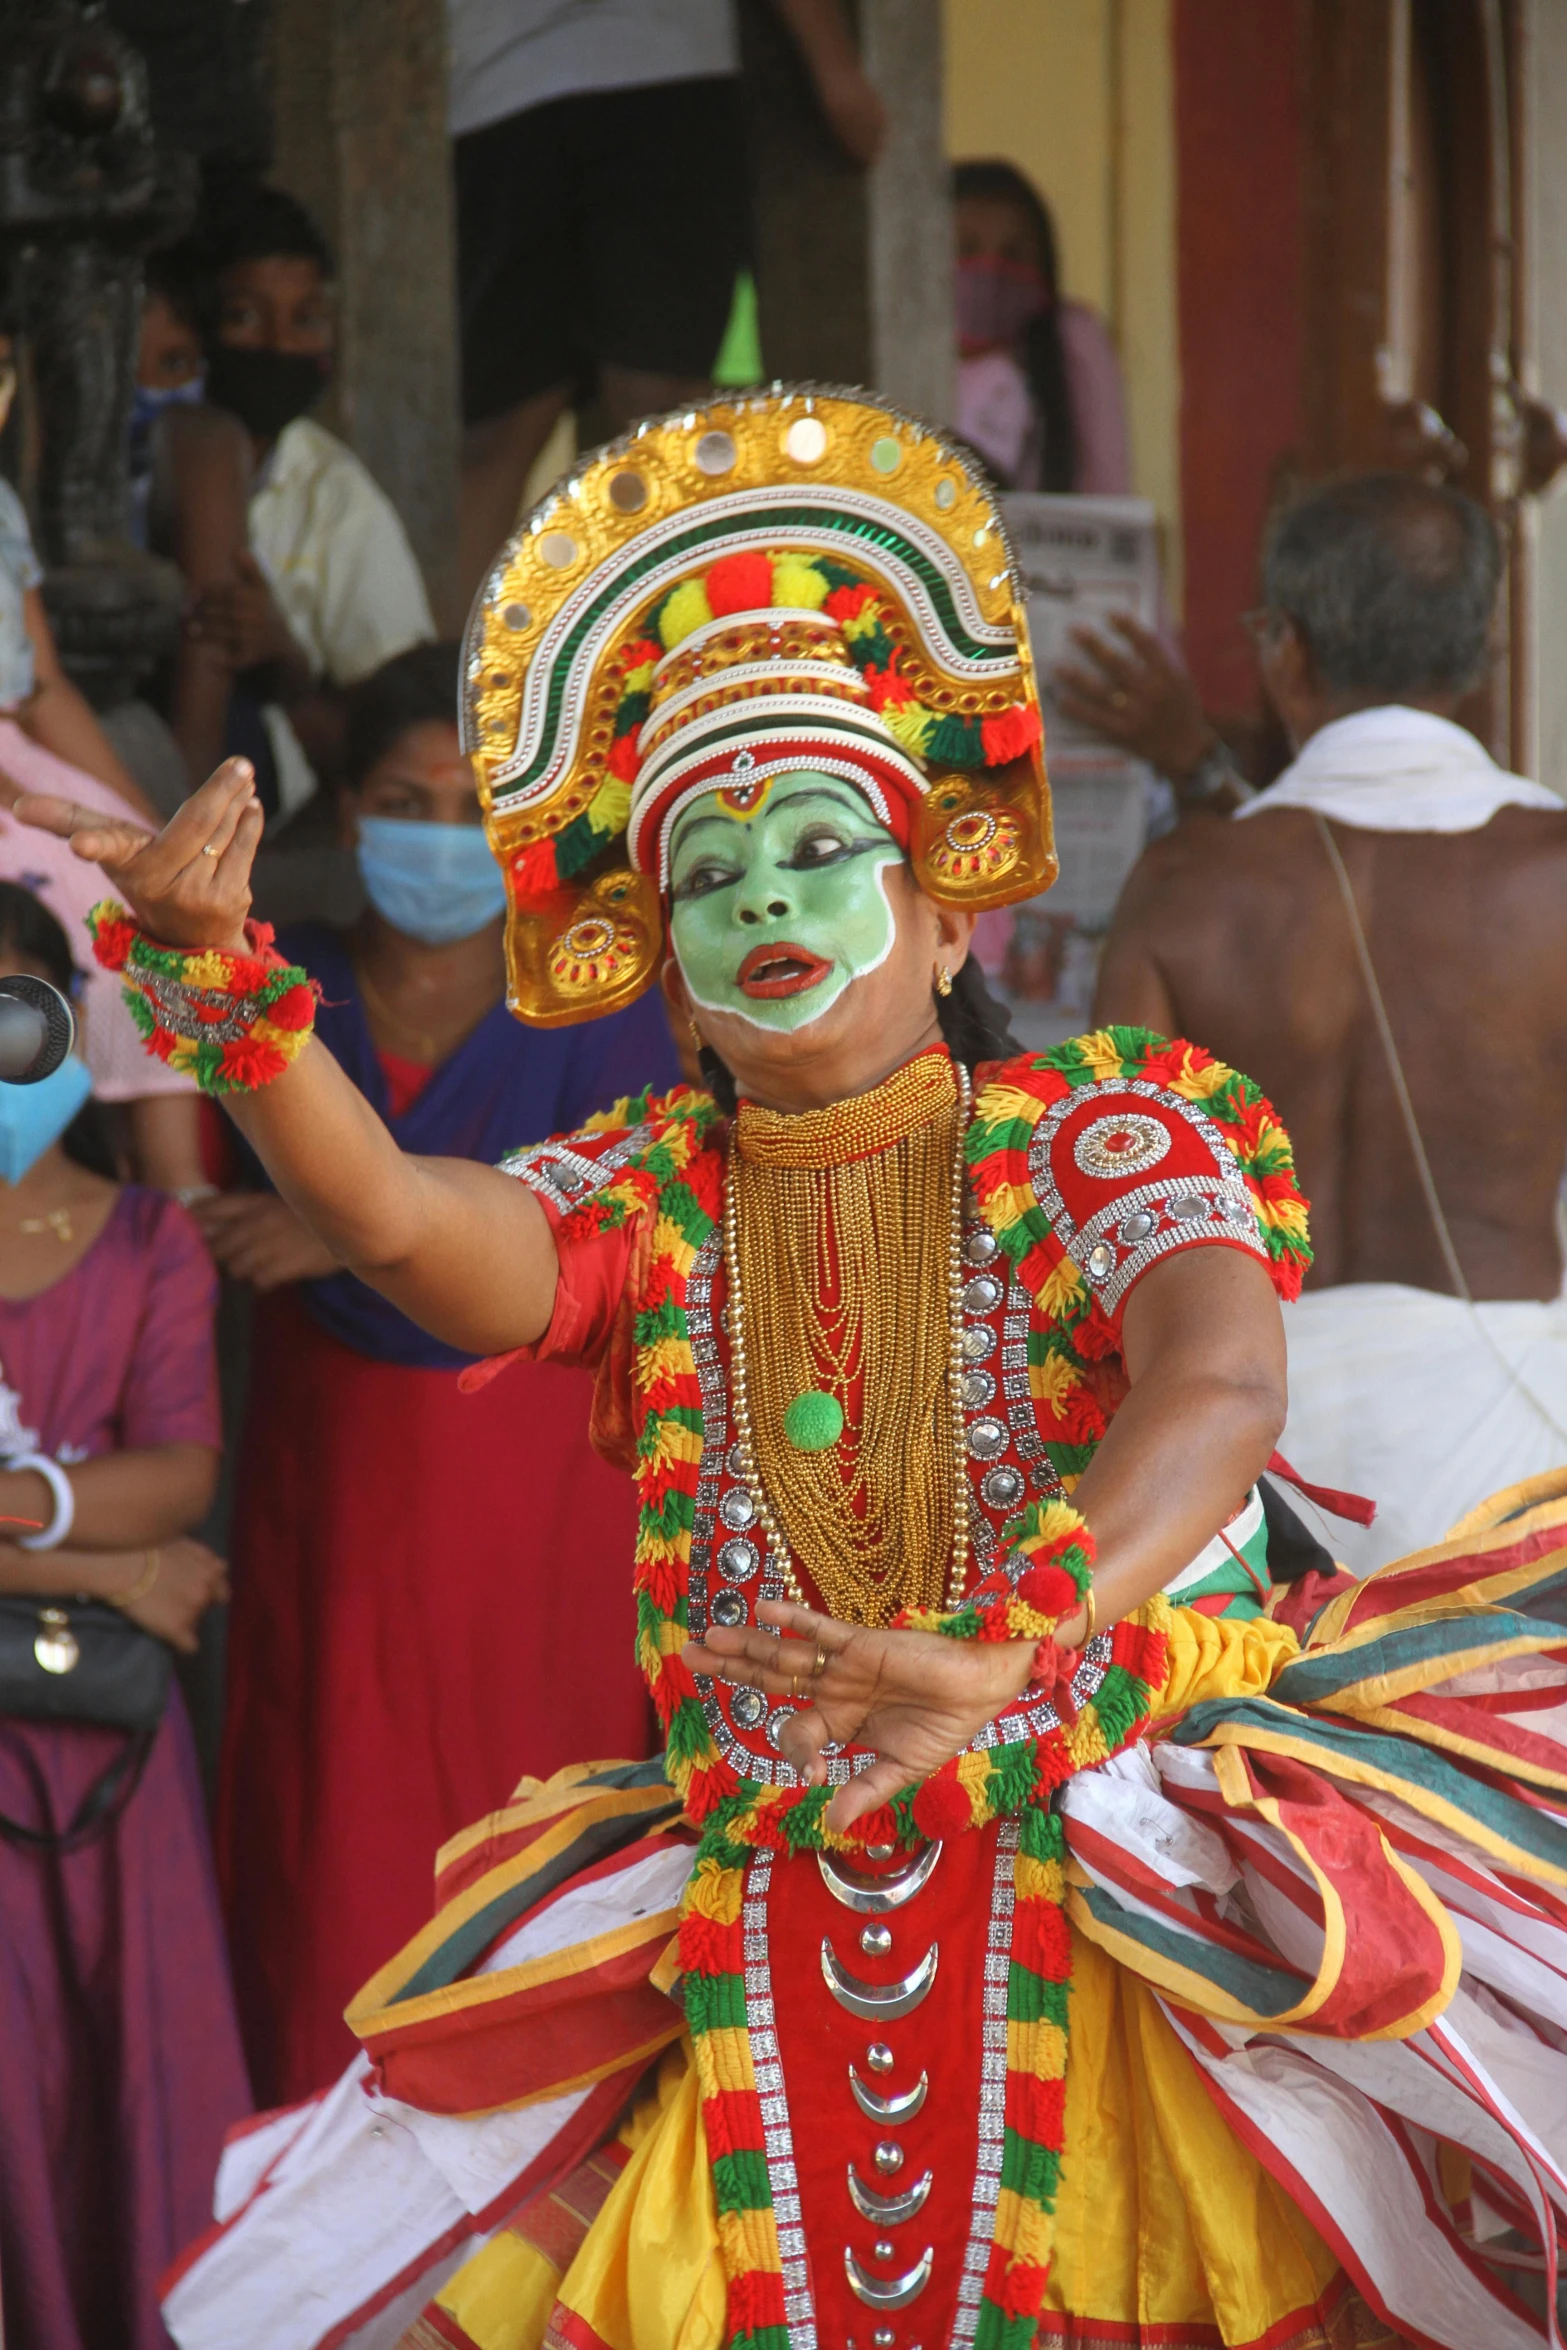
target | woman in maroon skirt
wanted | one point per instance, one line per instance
(403, 1646)
(120, 2068)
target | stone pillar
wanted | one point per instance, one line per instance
(360, 114)
(853, 268)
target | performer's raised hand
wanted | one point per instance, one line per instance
(188, 885)
(914, 1697)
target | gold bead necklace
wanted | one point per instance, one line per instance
(814, 1205)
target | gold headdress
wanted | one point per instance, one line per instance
(801, 578)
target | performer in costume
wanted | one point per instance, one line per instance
(1002, 1954)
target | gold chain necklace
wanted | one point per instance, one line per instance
(811, 1204)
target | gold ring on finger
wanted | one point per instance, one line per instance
(820, 1665)
(208, 850)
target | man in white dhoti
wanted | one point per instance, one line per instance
(1381, 937)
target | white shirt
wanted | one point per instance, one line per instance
(338, 559)
(506, 55)
(1394, 769)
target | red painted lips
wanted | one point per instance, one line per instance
(781, 970)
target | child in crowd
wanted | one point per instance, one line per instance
(300, 574)
(120, 2068)
(50, 741)
(402, 1647)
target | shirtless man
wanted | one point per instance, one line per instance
(1234, 930)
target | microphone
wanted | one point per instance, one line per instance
(37, 1029)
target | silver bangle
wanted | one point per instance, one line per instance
(51, 1536)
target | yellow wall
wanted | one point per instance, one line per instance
(1080, 95)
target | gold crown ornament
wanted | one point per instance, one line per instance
(790, 579)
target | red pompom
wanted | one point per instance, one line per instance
(247, 1063)
(847, 603)
(1008, 735)
(295, 1010)
(112, 943)
(942, 1808)
(534, 873)
(624, 758)
(740, 583)
(1023, 2289)
(1047, 1588)
(1050, 1942)
(888, 689)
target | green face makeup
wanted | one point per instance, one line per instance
(777, 909)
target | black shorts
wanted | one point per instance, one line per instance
(600, 229)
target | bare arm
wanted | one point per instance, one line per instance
(62, 720)
(466, 1252)
(201, 514)
(1204, 1343)
(166, 1587)
(849, 99)
(122, 1498)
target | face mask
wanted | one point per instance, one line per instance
(810, 859)
(148, 403)
(266, 390)
(433, 882)
(34, 1116)
(996, 300)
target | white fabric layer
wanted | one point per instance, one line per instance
(505, 55)
(1399, 770)
(327, 2211)
(1350, 2128)
(1422, 1403)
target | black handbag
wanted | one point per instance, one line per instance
(83, 1661)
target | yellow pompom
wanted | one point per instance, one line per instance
(798, 584)
(610, 806)
(912, 726)
(686, 610)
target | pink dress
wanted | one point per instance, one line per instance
(121, 1069)
(120, 2067)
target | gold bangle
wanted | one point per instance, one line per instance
(1092, 1607)
(144, 1581)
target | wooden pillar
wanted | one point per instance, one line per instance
(909, 211)
(360, 109)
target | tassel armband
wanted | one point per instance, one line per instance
(232, 1022)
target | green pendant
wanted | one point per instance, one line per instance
(814, 1421)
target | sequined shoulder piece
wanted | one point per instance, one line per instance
(619, 1162)
(1092, 1161)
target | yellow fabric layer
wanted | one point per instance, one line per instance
(1220, 1656)
(502, 2298)
(1162, 2217)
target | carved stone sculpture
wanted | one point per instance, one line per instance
(84, 193)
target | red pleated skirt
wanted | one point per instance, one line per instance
(432, 1598)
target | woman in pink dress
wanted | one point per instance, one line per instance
(120, 2067)
(1039, 383)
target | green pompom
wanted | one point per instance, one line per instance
(813, 1421)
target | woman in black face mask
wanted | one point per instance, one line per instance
(326, 587)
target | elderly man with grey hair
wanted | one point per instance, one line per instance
(1381, 938)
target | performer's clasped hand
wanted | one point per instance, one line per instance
(915, 1697)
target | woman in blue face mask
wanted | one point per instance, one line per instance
(387, 1654)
